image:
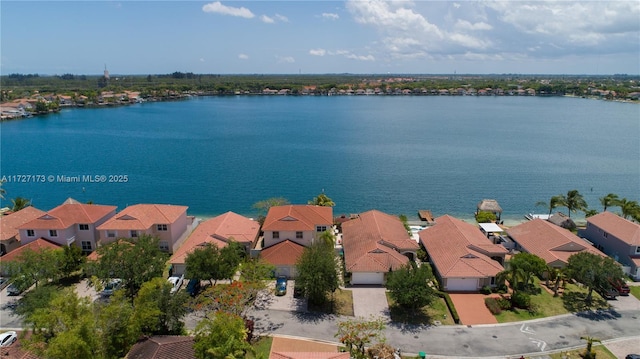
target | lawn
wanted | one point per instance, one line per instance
(262, 348)
(601, 353)
(341, 304)
(429, 314)
(635, 291)
(546, 305)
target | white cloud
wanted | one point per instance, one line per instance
(243, 57)
(272, 20)
(330, 16)
(317, 52)
(267, 19)
(218, 8)
(361, 57)
(282, 18)
(466, 25)
(285, 59)
(201, 59)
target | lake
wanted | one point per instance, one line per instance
(397, 154)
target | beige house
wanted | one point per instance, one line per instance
(9, 234)
(167, 222)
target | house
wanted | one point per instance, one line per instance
(219, 231)
(284, 256)
(167, 222)
(463, 258)
(552, 243)
(298, 223)
(374, 244)
(9, 234)
(163, 347)
(618, 238)
(71, 223)
(36, 246)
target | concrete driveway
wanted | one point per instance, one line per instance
(370, 301)
(268, 300)
(471, 309)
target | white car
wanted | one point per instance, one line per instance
(110, 287)
(8, 338)
(176, 282)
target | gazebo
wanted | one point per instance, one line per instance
(489, 205)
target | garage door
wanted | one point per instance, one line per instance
(367, 278)
(462, 284)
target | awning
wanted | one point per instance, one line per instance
(491, 227)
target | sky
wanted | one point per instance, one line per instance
(320, 37)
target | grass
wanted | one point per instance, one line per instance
(546, 305)
(635, 291)
(601, 353)
(341, 304)
(262, 348)
(436, 311)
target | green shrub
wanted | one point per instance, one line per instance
(485, 217)
(521, 300)
(504, 303)
(493, 305)
(485, 290)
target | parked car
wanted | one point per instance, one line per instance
(14, 289)
(632, 356)
(176, 282)
(281, 285)
(111, 286)
(620, 285)
(8, 338)
(610, 293)
(193, 287)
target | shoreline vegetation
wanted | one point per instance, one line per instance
(33, 95)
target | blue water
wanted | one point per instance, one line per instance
(395, 154)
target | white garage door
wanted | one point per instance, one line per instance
(367, 278)
(462, 284)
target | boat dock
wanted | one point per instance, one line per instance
(426, 215)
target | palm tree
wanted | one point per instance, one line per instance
(322, 200)
(590, 340)
(2, 190)
(629, 208)
(574, 202)
(609, 200)
(555, 201)
(20, 203)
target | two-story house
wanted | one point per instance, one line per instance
(9, 234)
(618, 238)
(71, 223)
(167, 222)
(288, 229)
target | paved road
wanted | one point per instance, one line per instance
(531, 337)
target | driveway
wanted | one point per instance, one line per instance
(625, 302)
(471, 309)
(370, 301)
(268, 300)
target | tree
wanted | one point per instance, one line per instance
(628, 208)
(317, 272)
(117, 329)
(554, 202)
(19, 203)
(357, 334)
(609, 200)
(574, 202)
(235, 298)
(408, 286)
(34, 267)
(264, 205)
(256, 270)
(588, 354)
(528, 265)
(322, 200)
(592, 270)
(2, 190)
(210, 263)
(485, 217)
(405, 222)
(71, 260)
(221, 336)
(157, 310)
(133, 261)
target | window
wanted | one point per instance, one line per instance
(321, 228)
(111, 234)
(134, 234)
(299, 235)
(493, 280)
(605, 235)
(276, 235)
(31, 233)
(53, 233)
(637, 250)
(86, 246)
(162, 227)
(164, 246)
(84, 227)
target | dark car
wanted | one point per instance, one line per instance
(281, 285)
(193, 287)
(14, 289)
(632, 356)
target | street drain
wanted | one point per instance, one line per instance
(494, 336)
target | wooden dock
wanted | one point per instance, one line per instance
(426, 215)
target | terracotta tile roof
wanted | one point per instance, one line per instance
(9, 224)
(143, 216)
(372, 240)
(163, 347)
(37, 245)
(617, 226)
(282, 253)
(459, 249)
(548, 241)
(69, 213)
(308, 355)
(297, 218)
(219, 231)
(293, 348)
